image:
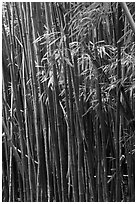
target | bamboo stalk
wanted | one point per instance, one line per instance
(52, 116)
(128, 14)
(27, 135)
(101, 116)
(57, 111)
(73, 159)
(117, 110)
(13, 80)
(36, 107)
(42, 115)
(54, 141)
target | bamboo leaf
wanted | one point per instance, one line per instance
(68, 61)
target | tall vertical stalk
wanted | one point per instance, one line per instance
(118, 107)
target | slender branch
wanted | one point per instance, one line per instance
(128, 15)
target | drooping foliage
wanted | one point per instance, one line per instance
(68, 93)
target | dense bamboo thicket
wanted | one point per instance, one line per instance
(68, 95)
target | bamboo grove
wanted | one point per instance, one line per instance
(68, 101)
